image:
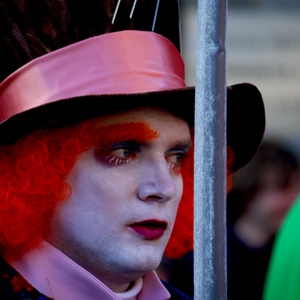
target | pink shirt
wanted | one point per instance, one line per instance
(55, 275)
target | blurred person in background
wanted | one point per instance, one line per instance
(262, 193)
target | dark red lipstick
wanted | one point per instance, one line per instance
(150, 229)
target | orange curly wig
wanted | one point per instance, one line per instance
(32, 173)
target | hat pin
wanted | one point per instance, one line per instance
(132, 11)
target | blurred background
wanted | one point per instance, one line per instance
(263, 47)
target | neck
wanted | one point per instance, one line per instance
(120, 288)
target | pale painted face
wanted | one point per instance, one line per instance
(124, 200)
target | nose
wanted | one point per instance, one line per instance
(158, 183)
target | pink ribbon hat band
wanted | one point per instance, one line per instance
(123, 62)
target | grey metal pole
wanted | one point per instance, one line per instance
(210, 153)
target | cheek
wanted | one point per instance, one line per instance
(100, 194)
(81, 219)
(179, 185)
(174, 203)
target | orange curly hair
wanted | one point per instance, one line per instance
(32, 173)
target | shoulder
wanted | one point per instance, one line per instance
(175, 293)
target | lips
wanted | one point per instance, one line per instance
(150, 229)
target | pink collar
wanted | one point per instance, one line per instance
(55, 275)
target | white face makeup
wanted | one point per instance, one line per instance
(119, 217)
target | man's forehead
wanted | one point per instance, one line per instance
(141, 132)
(145, 123)
(129, 131)
(145, 114)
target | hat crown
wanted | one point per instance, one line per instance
(32, 28)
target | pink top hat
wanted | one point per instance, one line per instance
(76, 61)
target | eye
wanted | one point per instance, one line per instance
(126, 152)
(119, 153)
(175, 160)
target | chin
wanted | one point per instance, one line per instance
(147, 262)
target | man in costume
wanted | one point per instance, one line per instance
(96, 160)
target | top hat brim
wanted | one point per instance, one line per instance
(245, 115)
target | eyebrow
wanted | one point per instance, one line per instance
(183, 145)
(131, 131)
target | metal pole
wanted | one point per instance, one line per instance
(210, 153)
